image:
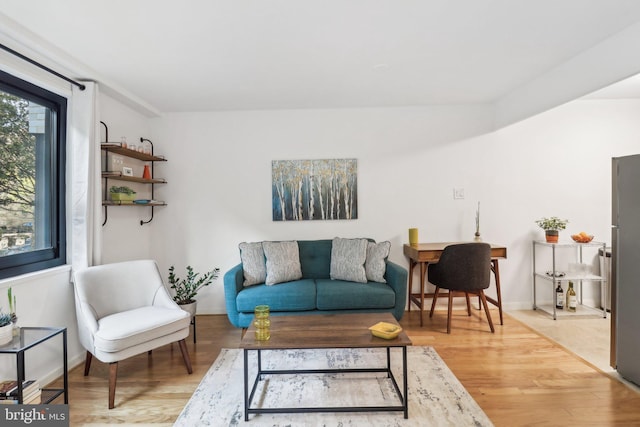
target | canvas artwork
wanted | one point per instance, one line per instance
(314, 189)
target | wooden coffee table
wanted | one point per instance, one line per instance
(320, 331)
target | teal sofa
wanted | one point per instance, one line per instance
(315, 292)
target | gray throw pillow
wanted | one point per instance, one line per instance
(347, 259)
(376, 266)
(253, 264)
(283, 262)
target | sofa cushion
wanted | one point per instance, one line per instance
(343, 295)
(254, 266)
(315, 258)
(298, 295)
(347, 259)
(283, 262)
(376, 265)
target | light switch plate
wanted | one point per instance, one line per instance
(458, 193)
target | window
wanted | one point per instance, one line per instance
(32, 169)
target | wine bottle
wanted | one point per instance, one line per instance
(559, 297)
(572, 301)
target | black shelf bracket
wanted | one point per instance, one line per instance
(104, 167)
(142, 222)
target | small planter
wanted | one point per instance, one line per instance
(6, 334)
(551, 236)
(123, 197)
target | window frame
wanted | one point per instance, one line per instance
(56, 255)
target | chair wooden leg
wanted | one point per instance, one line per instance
(185, 355)
(486, 310)
(466, 295)
(433, 303)
(449, 311)
(87, 363)
(113, 375)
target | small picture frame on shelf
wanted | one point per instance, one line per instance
(127, 171)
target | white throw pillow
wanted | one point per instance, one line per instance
(376, 266)
(253, 263)
(347, 259)
(283, 262)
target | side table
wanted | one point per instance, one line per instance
(30, 337)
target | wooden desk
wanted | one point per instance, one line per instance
(425, 253)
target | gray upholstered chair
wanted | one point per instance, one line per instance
(463, 269)
(123, 309)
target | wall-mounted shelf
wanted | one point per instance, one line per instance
(118, 148)
(138, 205)
(119, 177)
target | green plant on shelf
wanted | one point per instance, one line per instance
(122, 190)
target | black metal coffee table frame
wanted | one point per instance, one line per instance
(248, 396)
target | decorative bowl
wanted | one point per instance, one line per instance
(385, 330)
(582, 237)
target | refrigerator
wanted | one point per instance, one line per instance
(625, 267)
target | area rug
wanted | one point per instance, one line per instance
(436, 397)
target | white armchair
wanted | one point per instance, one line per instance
(124, 309)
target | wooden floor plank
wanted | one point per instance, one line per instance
(517, 376)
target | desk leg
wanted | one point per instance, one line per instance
(423, 271)
(496, 273)
(412, 265)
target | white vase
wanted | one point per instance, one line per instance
(6, 334)
(189, 308)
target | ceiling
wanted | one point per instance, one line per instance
(203, 55)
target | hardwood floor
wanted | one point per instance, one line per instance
(517, 376)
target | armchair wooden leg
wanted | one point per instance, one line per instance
(113, 375)
(449, 311)
(185, 355)
(466, 295)
(87, 363)
(435, 299)
(486, 310)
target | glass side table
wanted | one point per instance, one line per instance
(30, 337)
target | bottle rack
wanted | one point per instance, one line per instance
(556, 276)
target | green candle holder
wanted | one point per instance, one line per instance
(262, 322)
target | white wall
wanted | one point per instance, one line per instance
(409, 161)
(123, 237)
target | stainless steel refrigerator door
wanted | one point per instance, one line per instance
(626, 263)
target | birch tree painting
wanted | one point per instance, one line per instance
(314, 189)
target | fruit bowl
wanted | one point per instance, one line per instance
(385, 330)
(582, 237)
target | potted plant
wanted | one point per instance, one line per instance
(551, 227)
(186, 289)
(122, 194)
(6, 328)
